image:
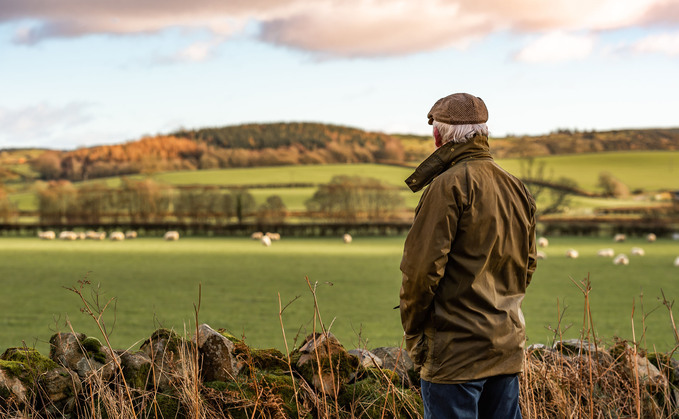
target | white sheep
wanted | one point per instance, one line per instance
(619, 238)
(257, 235)
(47, 235)
(131, 234)
(676, 261)
(541, 255)
(266, 240)
(572, 254)
(347, 238)
(621, 259)
(638, 251)
(68, 235)
(608, 253)
(171, 235)
(273, 236)
(651, 237)
(543, 242)
(117, 236)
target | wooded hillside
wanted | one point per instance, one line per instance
(254, 145)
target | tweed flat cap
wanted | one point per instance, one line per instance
(459, 109)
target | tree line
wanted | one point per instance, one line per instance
(60, 202)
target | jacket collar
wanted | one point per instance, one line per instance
(446, 156)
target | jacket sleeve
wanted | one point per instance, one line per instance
(425, 254)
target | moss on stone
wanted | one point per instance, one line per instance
(168, 406)
(14, 368)
(31, 358)
(92, 347)
(367, 398)
(137, 378)
(284, 387)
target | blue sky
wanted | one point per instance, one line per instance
(79, 73)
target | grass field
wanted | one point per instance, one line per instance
(155, 283)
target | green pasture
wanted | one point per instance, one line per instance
(643, 170)
(156, 283)
(648, 171)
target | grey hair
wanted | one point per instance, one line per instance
(459, 133)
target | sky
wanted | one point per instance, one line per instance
(79, 73)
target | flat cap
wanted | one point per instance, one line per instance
(459, 109)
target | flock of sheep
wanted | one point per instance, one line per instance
(99, 235)
(619, 259)
(267, 238)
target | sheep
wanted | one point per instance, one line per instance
(95, 235)
(638, 251)
(347, 238)
(621, 259)
(131, 234)
(572, 254)
(651, 237)
(266, 240)
(273, 236)
(171, 235)
(117, 236)
(82, 235)
(619, 238)
(257, 235)
(68, 235)
(541, 255)
(47, 235)
(608, 253)
(543, 242)
(676, 261)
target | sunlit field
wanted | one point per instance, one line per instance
(154, 283)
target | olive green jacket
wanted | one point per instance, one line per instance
(467, 260)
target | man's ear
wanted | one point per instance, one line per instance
(437, 137)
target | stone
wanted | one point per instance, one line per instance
(65, 349)
(337, 367)
(12, 391)
(367, 358)
(216, 355)
(167, 351)
(136, 368)
(397, 360)
(60, 387)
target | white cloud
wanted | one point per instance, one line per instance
(335, 27)
(665, 43)
(40, 122)
(557, 47)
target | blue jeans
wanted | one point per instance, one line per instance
(493, 397)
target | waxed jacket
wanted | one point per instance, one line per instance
(467, 261)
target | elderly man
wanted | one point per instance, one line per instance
(467, 260)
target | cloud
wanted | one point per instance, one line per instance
(664, 43)
(196, 52)
(557, 47)
(40, 122)
(345, 28)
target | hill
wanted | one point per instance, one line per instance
(256, 145)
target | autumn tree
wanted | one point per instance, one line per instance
(612, 186)
(273, 211)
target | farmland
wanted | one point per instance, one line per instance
(156, 283)
(642, 171)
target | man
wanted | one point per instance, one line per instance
(467, 260)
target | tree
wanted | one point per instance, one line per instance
(612, 186)
(48, 164)
(559, 191)
(354, 197)
(272, 211)
(244, 203)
